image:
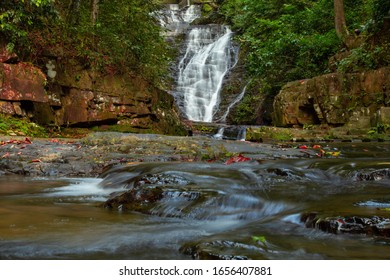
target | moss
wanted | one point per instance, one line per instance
(268, 133)
(207, 8)
(20, 127)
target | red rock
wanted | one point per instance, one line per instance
(22, 81)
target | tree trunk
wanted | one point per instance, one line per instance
(341, 26)
(74, 12)
(95, 10)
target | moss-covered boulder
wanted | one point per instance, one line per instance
(335, 99)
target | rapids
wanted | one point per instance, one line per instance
(248, 210)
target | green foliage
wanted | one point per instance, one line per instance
(259, 239)
(124, 38)
(380, 128)
(365, 57)
(17, 126)
(285, 40)
(128, 33)
(290, 40)
(19, 18)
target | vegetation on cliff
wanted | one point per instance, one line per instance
(115, 36)
(294, 39)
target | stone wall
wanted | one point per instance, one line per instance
(336, 99)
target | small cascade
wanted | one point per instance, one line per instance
(235, 101)
(231, 132)
(241, 136)
(219, 134)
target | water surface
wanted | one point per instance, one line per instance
(244, 210)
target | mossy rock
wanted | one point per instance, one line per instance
(207, 8)
(262, 133)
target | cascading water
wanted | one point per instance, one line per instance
(208, 55)
(235, 101)
(208, 58)
(176, 20)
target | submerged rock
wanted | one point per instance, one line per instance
(374, 226)
(215, 250)
(137, 199)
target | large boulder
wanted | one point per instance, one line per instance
(336, 99)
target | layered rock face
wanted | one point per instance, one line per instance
(358, 100)
(66, 94)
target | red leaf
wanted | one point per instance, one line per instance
(304, 147)
(6, 155)
(35, 160)
(239, 158)
(27, 140)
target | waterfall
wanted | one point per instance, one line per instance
(219, 134)
(208, 58)
(175, 20)
(242, 134)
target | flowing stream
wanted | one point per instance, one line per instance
(207, 210)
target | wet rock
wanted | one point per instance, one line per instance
(214, 250)
(137, 199)
(376, 175)
(162, 179)
(374, 226)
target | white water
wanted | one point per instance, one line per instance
(175, 20)
(85, 189)
(208, 58)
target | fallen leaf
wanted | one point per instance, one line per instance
(235, 159)
(259, 239)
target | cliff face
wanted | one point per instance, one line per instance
(66, 94)
(361, 100)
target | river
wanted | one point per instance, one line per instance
(246, 210)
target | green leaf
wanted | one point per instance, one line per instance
(260, 239)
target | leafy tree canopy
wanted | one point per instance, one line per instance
(288, 40)
(123, 37)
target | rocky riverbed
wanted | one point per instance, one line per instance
(95, 153)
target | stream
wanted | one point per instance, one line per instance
(292, 208)
(245, 210)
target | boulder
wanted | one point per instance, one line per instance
(335, 99)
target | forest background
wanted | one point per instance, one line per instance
(281, 41)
